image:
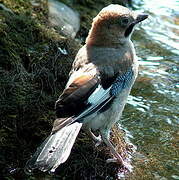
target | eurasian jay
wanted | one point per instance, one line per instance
(100, 81)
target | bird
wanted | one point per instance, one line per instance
(100, 80)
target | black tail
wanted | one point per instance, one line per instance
(54, 150)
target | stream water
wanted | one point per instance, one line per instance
(152, 114)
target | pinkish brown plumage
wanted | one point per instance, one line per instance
(100, 81)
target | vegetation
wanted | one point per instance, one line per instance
(33, 72)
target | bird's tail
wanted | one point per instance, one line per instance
(55, 149)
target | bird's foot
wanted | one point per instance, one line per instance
(97, 139)
(124, 165)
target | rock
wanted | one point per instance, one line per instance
(65, 19)
(35, 3)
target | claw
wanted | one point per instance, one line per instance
(97, 139)
(124, 164)
(127, 166)
(111, 160)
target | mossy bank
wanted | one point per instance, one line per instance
(33, 72)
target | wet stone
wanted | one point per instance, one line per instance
(63, 18)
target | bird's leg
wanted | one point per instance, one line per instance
(97, 139)
(117, 156)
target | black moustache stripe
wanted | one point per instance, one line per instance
(129, 30)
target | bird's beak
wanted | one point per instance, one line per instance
(140, 18)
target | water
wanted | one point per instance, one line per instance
(152, 114)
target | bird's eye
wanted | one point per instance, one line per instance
(124, 21)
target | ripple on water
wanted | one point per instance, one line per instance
(151, 115)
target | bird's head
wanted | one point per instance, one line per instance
(113, 25)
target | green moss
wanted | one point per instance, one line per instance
(33, 73)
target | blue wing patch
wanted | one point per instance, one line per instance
(121, 82)
(101, 99)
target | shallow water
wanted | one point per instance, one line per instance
(152, 114)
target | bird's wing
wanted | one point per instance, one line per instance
(98, 101)
(73, 100)
(86, 95)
